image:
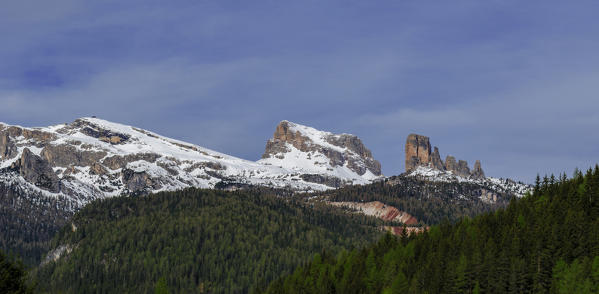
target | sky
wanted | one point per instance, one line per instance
(512, 83)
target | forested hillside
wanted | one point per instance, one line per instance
(29, 222)
(12, 276)
(547, 242)
(431, 202)
(196, 241)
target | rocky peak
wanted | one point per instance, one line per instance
(295, 145)
(418, 153)
(477, 171)
(283, 134)
(463, 169)
(436, 161)
(451, 164)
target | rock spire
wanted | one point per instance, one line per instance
(418, 153)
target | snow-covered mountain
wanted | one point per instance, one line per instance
(322, 157)
(492, 185)
(93, 158)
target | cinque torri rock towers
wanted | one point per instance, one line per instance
(419, 153)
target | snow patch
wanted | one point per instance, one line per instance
(502, 185)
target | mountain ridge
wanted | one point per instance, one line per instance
(93, 158)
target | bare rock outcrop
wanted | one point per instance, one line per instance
(352, 143)
(37, 135)
(436, 161)
(351, 152)
(138, 182)
(477, 171)
(8, 149)
(68, 155)
(418, 153)
(323, 179)
(380, 210)
(37, 171)
(283, 135)
(463, 169)
(451, 164)
(92, 130)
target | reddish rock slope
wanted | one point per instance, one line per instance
(380, 210)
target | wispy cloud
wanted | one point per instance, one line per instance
(510, 83)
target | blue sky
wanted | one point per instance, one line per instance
(512, 83)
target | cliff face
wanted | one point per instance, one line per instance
(418, 153)
(477, 171)
(436, 161)
(36, 171)
(320, 154)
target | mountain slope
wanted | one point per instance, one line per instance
(429, 200)
(13, 278)
(492, 185)
(543, 243)
(29, 222)
(431, 190)
(217, 241)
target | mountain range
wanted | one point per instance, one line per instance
(92, 158)
(49, 173)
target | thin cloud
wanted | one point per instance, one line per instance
(510, 83)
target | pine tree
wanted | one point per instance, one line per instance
(12, 276)
(461, 280)
(160, 287)
(400, 284)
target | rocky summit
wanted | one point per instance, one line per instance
(418, 154)
(322, 155)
